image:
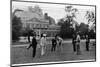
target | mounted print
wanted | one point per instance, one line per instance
(52, 33)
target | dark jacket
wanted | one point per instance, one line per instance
(54, 42)
(87, 40)
(74, 40)
(34, 42)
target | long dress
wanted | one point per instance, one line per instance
(42, 44)
(78, 45)
(38, 41)
(60, 44)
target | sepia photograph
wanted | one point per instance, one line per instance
(51, 33)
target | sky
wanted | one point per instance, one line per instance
(57, 11)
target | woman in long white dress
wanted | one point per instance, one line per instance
(78, 44)
(43, 44)
(59, 43)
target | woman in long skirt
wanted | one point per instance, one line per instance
(78, 44)
(43, 44)
(59, 43)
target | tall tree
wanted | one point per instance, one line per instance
(16, 28)
(83, 28)
(90, 16)
(67, 25)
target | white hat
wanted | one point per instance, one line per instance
(44, 34)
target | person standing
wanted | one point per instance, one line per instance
(60, 43)
(74, 42)
(43, 44)
(54, 43)
(78, 44)
(33, 45)
(87, 42)
(38, 41)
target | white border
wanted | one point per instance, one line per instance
(5, 33)
(25, 64)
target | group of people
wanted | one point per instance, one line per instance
(57, 41)
(41, 42)
(76, 43)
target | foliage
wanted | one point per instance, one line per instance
(67, 30)
(90, 16)
(27, 32)
(16, 28)
(92, 34)
(60, 21)
(83, 28)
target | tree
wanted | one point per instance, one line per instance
(16, 28)
(67, 22)
(90, 16)
(84, 29)
(60, 21)
(27, 32)
(66, 31)
(16, 10)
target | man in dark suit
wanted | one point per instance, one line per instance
(74, 42)
(87, 42)
(54, 43)
(33, 45)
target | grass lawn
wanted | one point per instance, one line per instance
(20, 43)
(20, 55)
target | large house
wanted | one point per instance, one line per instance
(34, 19)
